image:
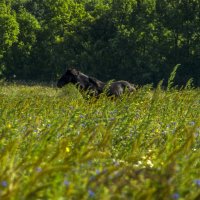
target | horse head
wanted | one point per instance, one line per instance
(76, 77)
(70, 76)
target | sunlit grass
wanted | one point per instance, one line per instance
(55, 144)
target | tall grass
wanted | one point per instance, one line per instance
(55, 144)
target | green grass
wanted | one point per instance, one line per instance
(54, 144)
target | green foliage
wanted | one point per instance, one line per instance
(28, 27)
(140, 41)
(54, 144)
(172, 77)
(27, 39)
(9, 29)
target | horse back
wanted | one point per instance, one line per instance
(117, 88)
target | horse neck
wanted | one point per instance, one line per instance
(83, 81)
(85, 77)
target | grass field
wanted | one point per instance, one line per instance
(55, 144)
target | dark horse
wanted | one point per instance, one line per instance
(94, 86)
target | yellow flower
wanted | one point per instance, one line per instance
(157, 130)
(67, 149)
(9, 126)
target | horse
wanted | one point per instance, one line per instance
(94, 86)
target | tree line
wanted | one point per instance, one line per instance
(136, 40)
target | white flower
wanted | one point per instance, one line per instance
(149, 163)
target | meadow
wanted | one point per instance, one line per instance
(57, 144)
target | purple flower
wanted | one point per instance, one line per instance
(4, 183)
(91, 193)
(197, 182)
(66, 182)
(116, 163)
(97, 171)
(192, 123)
(83, 125)
(38, 169)
(175, 196)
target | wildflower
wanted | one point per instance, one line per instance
(175, 196)
(157, 130)
(66, 183)
(144, 157)
(70, 107)
(194, 149)
(112, 119)
(67, 149)
(174, 123)
(196, 135)
(39, 129)
(116, 163)
(83, 125)
(4, 183)
(168, 126)
(91, 193)
(9, 126)
(164, 132)
(149, 163)
(197, 182)
(192, 123)
(139, 162)
(38, 169)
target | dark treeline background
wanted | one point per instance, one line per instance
(137, 40)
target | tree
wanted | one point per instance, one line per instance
(19, 57)
(65, 24)
(180, 30)
(9, 30)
